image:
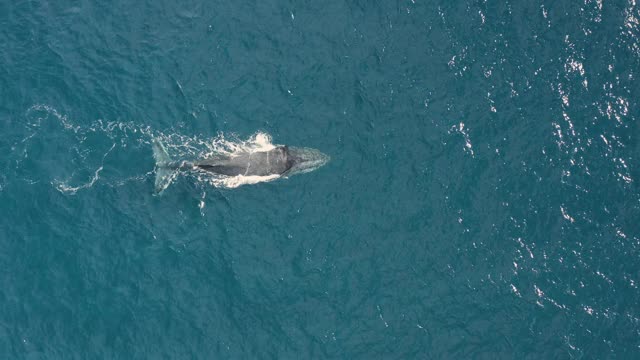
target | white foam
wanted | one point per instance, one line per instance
(232, 182)
(256, 143)
(64, 188)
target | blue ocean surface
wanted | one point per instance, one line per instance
(481, 201)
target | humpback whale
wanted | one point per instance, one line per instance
(267, 165)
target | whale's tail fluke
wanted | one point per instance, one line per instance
(165, 173)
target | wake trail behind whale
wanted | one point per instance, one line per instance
(110, 152)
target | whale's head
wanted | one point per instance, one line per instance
(304, 160)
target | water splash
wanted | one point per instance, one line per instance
(81, 151)
(73, 154)
(66, 188)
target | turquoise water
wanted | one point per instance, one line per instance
(482, 199)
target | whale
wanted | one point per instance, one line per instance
(266, 165)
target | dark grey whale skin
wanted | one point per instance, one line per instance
(273, 162)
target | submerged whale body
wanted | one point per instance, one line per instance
(260, 166)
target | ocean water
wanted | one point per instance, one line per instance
(481, 201)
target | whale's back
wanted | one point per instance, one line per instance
(263, 163)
